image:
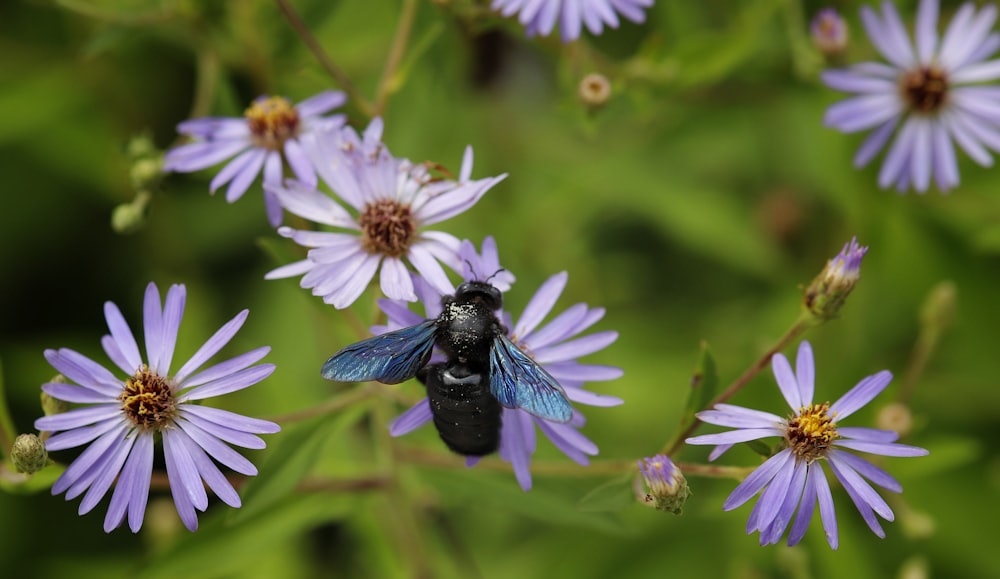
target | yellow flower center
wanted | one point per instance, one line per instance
(272, 121)
(387, 227)
(811, 433)
(925, 89)
(148, 400)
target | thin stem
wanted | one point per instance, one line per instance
(798, 328)
(714, 471)
(339, 402)
(387, 84)
(340, 485)
(323, 58)
(425, 457)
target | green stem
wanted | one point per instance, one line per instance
(804, 322)
(715, 471)
(7, 431)
(323, 58)
(386, 85)
(425, 457)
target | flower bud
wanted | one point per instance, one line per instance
(829, 32)
(594, 90)
(52, 406)
(895, 417)
(28, 454)
(128, 218)
(666, 487)
(827, 293)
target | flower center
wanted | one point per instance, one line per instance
(148, 400)
(925, 89)
(387, 227)
(811, 433)
(272, 121)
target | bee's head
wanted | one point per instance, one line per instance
(481, 291)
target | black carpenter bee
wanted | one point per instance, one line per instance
(484, 370)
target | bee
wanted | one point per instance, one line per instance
(483, 372)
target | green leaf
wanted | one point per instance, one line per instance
(290, 460)
(23, 484)
(219, 549)
(613, 495)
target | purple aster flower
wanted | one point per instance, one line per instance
(541, 16)
(829, 31)
(931, 91)
(794, 476)
(269, 132)
(555, 346)
(122, 417)
(393, 200)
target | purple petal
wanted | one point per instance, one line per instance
(226, 368)
(787, 383)
(826, 509)
(576, 348)
(395, 280)
(418, 415)
(592, 399)
(541, 304)
(230, 383)
(231, 419)
(84, 371)
(757, 479)
(773, 497)
(740, 419)
(93, 456)
(212, 346)
(867, 434)
(132, 489)
(574, 371)
(926, 30)
(224, 433)
(875, 142)
(735, 436)
(109, 472)
(867, 470)
(807, 505)
(863, 495)
(123, 337)
(805, 372)
(153, 325)
(863, 112)
(773, 532)
(80, 436)
(207, 471)
(218, 450)
(299, 162)
(884, 449)
(198, 156)
(173, 311)
(860, 395)
(79, 417)
(74, 393)
(185, 484)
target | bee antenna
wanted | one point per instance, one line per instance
(494, 274)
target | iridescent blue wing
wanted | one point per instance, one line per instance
(389, 358)
(516, 381)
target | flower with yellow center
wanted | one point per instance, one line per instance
(794, 477)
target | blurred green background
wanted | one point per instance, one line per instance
(693, 207)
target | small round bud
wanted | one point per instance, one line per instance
(28, 454)
(666, 487)
(146, 172)
(594, 90)
(140, 146)
(128, 218)
(829, 32)
(895, 417)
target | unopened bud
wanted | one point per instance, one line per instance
(895, 417)
(829, 32)
(938, 310)
(52, 406)
(594, 90)
(146, 173)
(128, 218)
(827, 293)
(666, 487)
(28, 454)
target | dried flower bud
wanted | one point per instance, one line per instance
(666, 487)
(827, 293)
(594, 90)
(28, 454)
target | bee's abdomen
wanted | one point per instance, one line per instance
(466, 415)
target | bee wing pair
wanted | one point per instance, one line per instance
(516, 381)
